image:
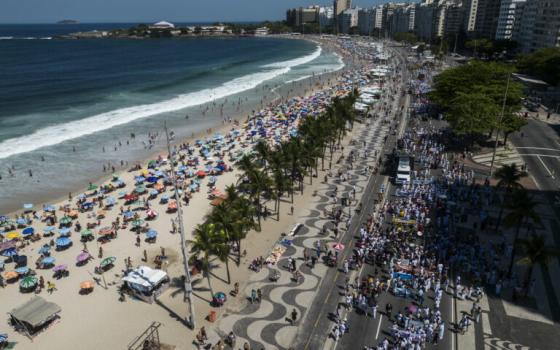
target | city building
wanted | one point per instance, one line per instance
(510, 12)
(403, 19)
(539, 26)
(454, 19)
(487, 16)
(340, 6)
(348, 19)
(326, 16)
(379, 18)
(430, 20)
(298, 16)
(471, 9)
(366, 21)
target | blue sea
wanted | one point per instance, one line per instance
(68, 107)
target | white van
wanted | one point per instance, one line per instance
(403, 170)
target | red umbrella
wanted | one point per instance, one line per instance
(201, 173)
(338, 246)
(130, 197)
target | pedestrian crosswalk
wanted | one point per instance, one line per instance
(504, 156)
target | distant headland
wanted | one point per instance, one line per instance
(67, 21)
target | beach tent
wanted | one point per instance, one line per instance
(145, 279)
(34, 314)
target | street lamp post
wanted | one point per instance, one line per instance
(187, 285)
(498, 127)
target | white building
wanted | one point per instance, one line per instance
(326, 16)
(261, 31)
(509, 17)
(162, 25)
(348, 20)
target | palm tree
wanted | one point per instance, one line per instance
(522, 209)
(536, 253)
(263, 152)
(204, 243)
(508, 179)
(256, 182)
(222, 250)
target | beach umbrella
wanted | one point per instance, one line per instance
(151, 233)
(338, 246)
(139, 179)
(92, 187)
(137, 222)
(28, 206)
(10, 275)
(49, 260)
(49, 208)
(120, 183)
(152, 179)
(128, 214)
(28, 231)
(28, 282)
(3, 218)
(122, 194)
(86, 233)
(49, 229)
(65, 220)
(130, 197)
(154, 192)
(83, 256)
(201, 173)
(12, 235)
(46, 249)
(139, 204)
(65, 231)
(107, 261)
(22, 270)
(21, 222)
(8, 222)
(63, 241)
(110, 201)
(9, 252)
(60, 268)
(3, 338)
(87, 285)
(151, 212)
(140, 189)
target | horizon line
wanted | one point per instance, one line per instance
(141, 22)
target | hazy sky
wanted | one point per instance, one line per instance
(45, 11)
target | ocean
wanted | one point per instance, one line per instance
(68, 107)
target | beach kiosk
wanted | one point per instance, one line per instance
(34, 315)
(146, 283)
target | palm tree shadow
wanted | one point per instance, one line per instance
(172, 313)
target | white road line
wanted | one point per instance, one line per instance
(539, 155)
(544, 165)
(543, 148)
(378, 326)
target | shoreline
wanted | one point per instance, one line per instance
(294, 90)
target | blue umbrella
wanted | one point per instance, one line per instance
(139, 178)
(28, 231)
(49, 260)
(122, 193)
(152, 179)
(49, 207)
(128, 214)
(63, 241)
(110, 201)
(3, 337)
(9, 252)
(151, 233)
(65, 231)
(87, 205)
(49, 229)
(3, 218)
(21, 222)
(119, 183)
(22, 270)
(158, 173)
(154, 192)
(45, 250)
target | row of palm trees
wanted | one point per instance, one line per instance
(270, 173)
(522, 210)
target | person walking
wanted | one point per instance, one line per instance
(294, 316)
(388, 310)
(253, 296)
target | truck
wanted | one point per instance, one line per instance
(404, 169)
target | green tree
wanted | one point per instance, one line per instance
(204, 242)
(543, 63)
(407, 37)
(472, 114)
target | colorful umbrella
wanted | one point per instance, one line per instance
(22, 270)
(137, 222)
(86, 232)
(63, 241)
(49, 260)
(49, 229)
(28, 231)
(107, 261)
(151, 233)
(92, 187)
(28, 282)
(140, 189)
(338, 246)
(9, 252)
(105, 231)
(46, 249)
(60, 268)
(65, 231)
(87, 285)
(12, 235)
(83, 256)
(10, 275)
(65, 220)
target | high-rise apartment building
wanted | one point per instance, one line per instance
(430, 20)
(299, 16)
(366, 21)
(340, 6)
(487, 18)
(539, 26)
(403, 19)
(348, 19)
(508, 18)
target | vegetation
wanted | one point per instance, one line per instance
(543, 63)
(508, 179)
(270, 173)
(407, 37)
(472, 97)
(535, 252)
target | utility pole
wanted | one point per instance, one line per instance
(498, 128)
(188, 286)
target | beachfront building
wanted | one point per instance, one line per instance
(296, 17)
(366, 21)
(539, 26)
(510, 11)
(402, 20)
(162, 25)
(430, 21)
(339, 7)
(348, 20)
(326, 16)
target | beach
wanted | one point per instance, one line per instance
(85, 317)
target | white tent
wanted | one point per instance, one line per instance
(144, 278)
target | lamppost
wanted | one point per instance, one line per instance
(187, 286)
(498, 127)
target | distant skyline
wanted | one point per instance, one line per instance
(50, 11)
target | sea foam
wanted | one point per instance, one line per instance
(59, 133)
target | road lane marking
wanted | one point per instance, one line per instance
(544, 165)
(378, 326)
(539, 155)
(542, 148)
